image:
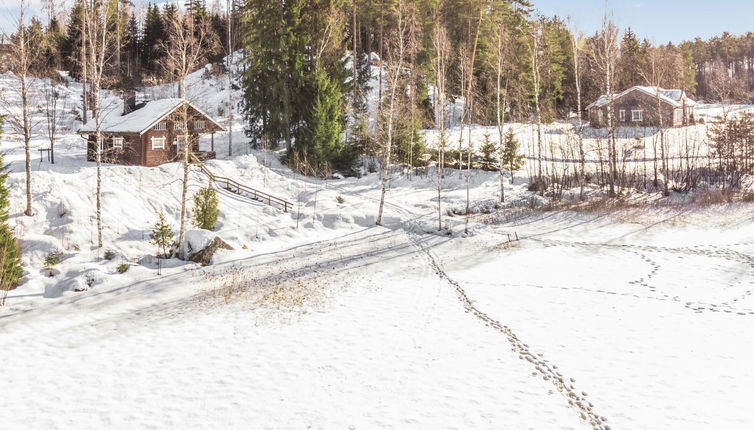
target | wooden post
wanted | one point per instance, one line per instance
(213, 142)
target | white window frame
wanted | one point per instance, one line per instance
(158, 143)
(177, 125)
(199, 125)
(637, 115)
(161, 126)
(118, 142)
(622, 115)
(179, 142)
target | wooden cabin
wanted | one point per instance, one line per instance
(150, 134)
(638, 107)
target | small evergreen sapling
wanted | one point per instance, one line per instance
(512, 159)
(488, 150)
(162, 236)
(52, 260)
(206, 208)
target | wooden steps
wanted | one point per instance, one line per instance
(244, 190)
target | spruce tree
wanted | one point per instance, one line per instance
(488, 149)
(132, 46)
(154, 34)
(632, 62)
(162, 235)
(206, 209)
(324, 128)
(10, 254)
(512, 159)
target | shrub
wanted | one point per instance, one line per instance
(340, 199)
(713, 197)
(123, 268)
(52, 260)
(109, 254)
(206, 209)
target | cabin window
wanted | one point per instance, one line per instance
(178, 125)
(158, 143)
(180, 143)
(622, 115)
(161, 126)
(599, 116)
(637, 115)
(199, 125)
(117, 143)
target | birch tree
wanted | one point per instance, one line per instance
(441, 45)
(604, 52)
(184, 52)
(500, 56)
(97, 44)
(24, 46)
(577, 47)
(396, 58)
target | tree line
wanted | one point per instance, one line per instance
(137, 37)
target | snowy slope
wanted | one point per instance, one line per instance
(631, 319)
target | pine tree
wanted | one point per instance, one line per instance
(10, 254)
(512, 159)
(488, 150)
(206, 209)
(162, 235)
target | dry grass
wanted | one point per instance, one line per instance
(282, 294)
(710, 197)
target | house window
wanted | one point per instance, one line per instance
(599, 116)
(178, 125)
(199, 125)
(158, 143)
(161, 126)
(637, 115)
(622, 115)
(117, 143)
(678, 116)
(180, 143)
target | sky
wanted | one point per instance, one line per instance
(660, 21)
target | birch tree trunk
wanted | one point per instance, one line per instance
(396, 69)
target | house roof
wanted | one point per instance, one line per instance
(140, 120)
(674, 97)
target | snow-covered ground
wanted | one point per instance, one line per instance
(637, 318)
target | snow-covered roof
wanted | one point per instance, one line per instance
(674, 97)
(139, 120)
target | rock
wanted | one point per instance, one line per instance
(204, 256)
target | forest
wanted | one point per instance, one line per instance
(308, 67)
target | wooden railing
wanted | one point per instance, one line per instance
(239, 188)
